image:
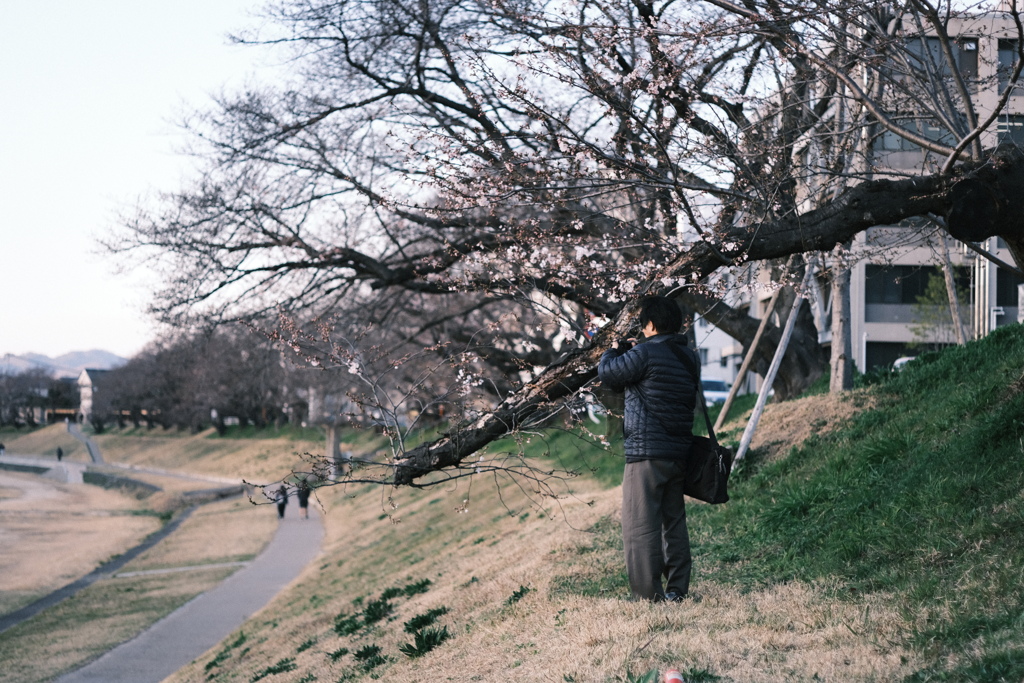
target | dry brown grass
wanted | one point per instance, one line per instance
(255, 460)
(54, 533)
(790, 423)
(114, 610)
(95, 620)
(227, 531)
(44, 441)
(478, 560)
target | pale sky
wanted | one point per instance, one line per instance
(90, 95)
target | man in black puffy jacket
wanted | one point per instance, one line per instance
(661, 393)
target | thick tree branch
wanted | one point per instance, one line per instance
(879, 202)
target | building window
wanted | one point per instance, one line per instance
(967, 58)
(904, 284)
(1006, 288)
(884, 354)
(931, 62)
(1007, 61)
(1010, 128)
(895, 284)
(703, 356)
(888, 141)
(935, 132)
(893, 293)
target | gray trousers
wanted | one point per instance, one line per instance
(654, 532)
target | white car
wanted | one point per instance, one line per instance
(715, 391)
(901, 362)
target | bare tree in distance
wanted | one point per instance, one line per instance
(567, 158)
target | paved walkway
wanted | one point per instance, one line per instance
(200, 624)
(94, 450)
(71, 472)
(67, 471)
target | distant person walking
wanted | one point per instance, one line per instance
(60, 453)
(302, 492)
(2, 449)
(281, 498)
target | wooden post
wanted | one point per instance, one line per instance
(339, 462)
(745, 366)
(762, 397)
(951, 293)
(841, 365)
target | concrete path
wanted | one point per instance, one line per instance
(72, 472)
(94, 450)
(67, 471)
(200, 624)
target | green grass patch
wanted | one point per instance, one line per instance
(593, 568)
(918, 497)
(286, 431)
(283, 666)
(346, 624)
(377, 610)
(369, 657)
(416, 587)
(421, 621)
(424, 641)
(517, 595)
(225, 653)
(577, 451)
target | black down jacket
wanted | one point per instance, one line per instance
(661, 394)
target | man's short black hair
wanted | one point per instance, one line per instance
(661, 311)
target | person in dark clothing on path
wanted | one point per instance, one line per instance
(302, 492)
(661, 394)
(281, 498)
(60, 453)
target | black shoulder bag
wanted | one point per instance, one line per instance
(707, 473)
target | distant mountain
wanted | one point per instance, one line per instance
(67, 365)
(97, 358)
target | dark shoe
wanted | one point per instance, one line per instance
(672, 596)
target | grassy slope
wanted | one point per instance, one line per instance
(887, 550)
(43, 442)
(919, 498)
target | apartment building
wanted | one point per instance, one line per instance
(893, 264)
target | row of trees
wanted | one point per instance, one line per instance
(491, 184)
(194, 380)
(235, 373)
(28, 397)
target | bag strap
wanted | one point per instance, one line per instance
(692, 366)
